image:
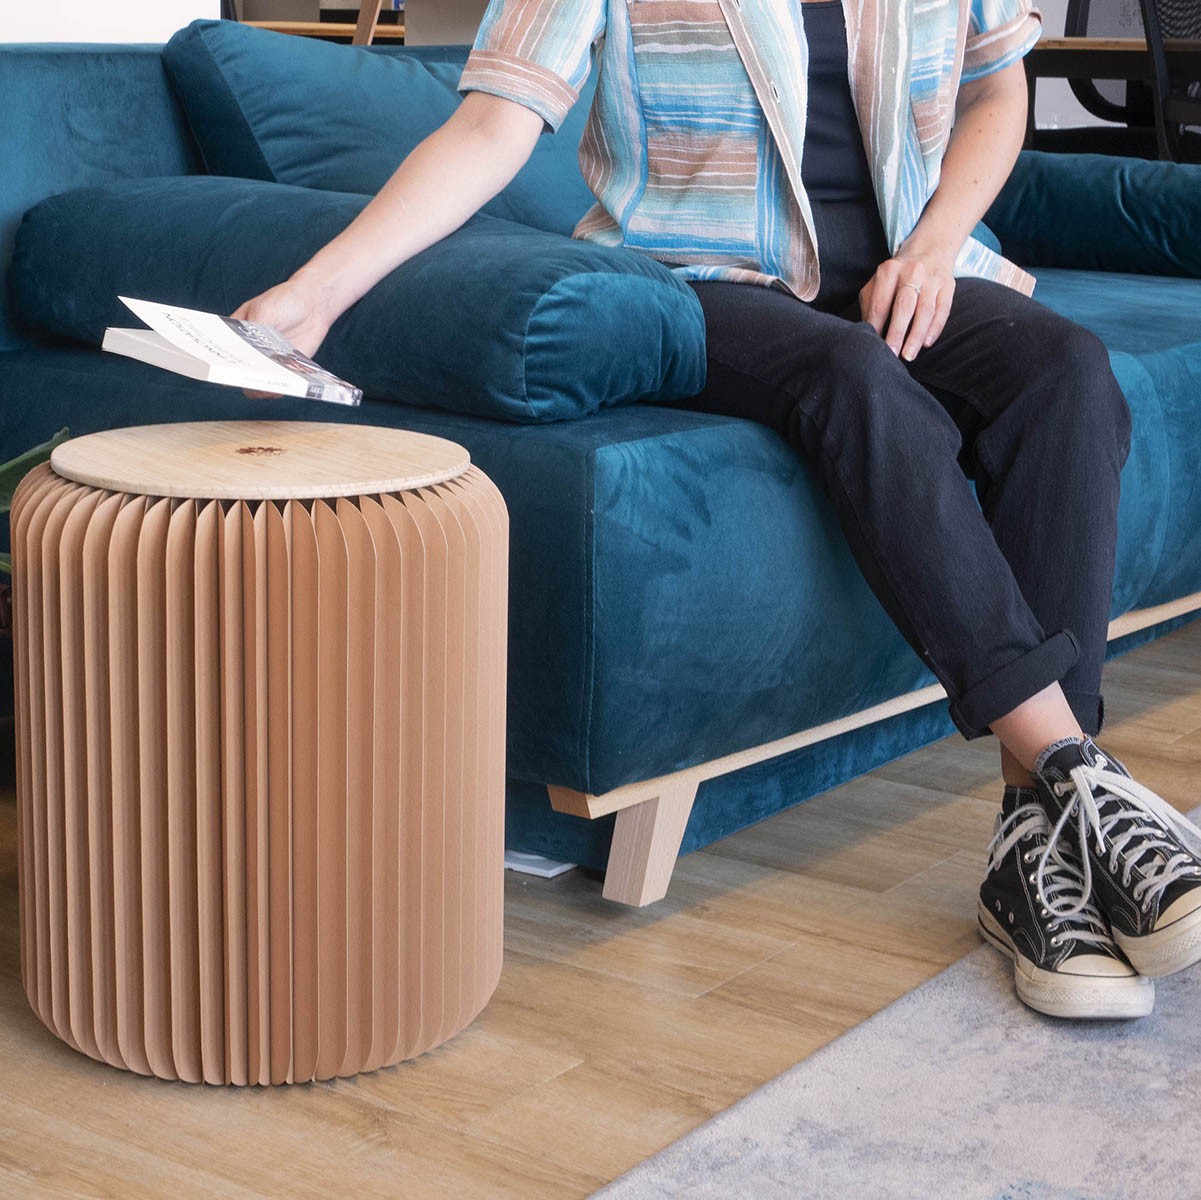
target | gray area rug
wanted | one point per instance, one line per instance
(958, 1092)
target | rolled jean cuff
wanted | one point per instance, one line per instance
(1003, 690)
(1089, 709)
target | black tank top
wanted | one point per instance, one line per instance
(833, 162)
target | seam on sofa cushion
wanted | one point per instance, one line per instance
(228, 92)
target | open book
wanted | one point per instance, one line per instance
(221, 350)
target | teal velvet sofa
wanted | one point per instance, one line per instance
(692, 648)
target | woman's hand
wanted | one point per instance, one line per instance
(909, 297)
(295, 309)
(908, 300)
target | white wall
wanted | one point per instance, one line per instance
(442, 22)
(99, 20)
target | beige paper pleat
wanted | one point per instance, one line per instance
(151, 592)
(454, 646)
(75, 822)
(182, 884)
(29, 724)
(124, 652)
(306, 897)
(460, 504)
(52, 900)
(332, 738)
(279, 791)
(386, 719)
(210, 876)
(410, 859)
(254, 682)
(231, 618)
(98, 776)
(260, 774)
(360, 765)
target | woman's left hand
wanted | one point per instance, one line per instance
(908, 300)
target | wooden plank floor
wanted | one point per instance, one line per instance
(613, 1031)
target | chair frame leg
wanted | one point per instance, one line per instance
(365, 26)
(646, 844)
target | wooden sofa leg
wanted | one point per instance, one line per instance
(646, 843)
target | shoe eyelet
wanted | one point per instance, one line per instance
(1011, 918)
(1031, 877)
(1045, 912)
(1029, 856)
(1056, 940)
(1059, 788)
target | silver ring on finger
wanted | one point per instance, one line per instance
(915, 287)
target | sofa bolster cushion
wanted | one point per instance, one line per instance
(1100, 212)
(498, 319)
(266, 105)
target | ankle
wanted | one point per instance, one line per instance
(1035, 724)
(1012, 771)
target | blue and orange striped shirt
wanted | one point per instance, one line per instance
(693, 144)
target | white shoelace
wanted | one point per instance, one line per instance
(1151, 819)
(1062, 879)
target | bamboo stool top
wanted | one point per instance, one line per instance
(259, 460)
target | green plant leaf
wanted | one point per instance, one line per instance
(12, 473)
(6, 565)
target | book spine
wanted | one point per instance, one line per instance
(335, 393)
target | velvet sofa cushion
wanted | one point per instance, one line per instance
(498, 319)
(680, 587)
(76, 116)
(1101, 212)
(266, 105)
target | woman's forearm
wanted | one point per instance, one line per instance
(990, 123)
(908, 299)
(442, 182)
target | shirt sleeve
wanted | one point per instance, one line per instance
(999, 33)
(536, 52)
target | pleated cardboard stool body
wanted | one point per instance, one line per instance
(261, 722)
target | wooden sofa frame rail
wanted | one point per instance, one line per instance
(652, 813)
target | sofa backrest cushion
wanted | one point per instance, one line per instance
(266, 105)
(71, 116)
(1101, 212)
(498, 319)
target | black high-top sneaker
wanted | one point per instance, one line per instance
(1064, 966)
(1141, 854)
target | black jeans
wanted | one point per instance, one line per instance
(1001, 593)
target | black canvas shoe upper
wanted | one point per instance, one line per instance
(1010, 890)
(1139, 853)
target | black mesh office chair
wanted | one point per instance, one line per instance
(1128, 107)
(1177, 98)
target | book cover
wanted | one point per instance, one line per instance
(222, 350)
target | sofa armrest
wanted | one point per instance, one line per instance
(1100, 212)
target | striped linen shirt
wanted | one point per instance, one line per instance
(693, 144)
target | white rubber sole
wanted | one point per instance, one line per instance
(1165, 951)
(1078, 997)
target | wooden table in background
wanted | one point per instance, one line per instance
(330, 31)
(1101, 58)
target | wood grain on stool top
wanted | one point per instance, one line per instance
(259, 460)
